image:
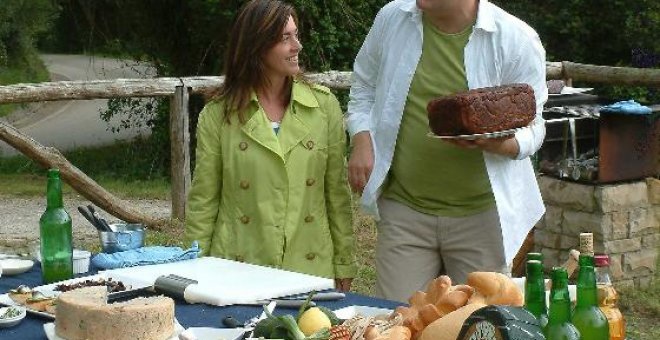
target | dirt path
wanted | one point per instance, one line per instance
(19, 221)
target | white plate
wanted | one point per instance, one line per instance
(5, 323)
(351, 311)
(496, 134)
(15, 266)
(204, 333)
(49, 329)
(49, 290)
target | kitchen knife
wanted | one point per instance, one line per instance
(322, 296)
(280, 303)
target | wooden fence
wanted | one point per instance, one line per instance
(179, 89)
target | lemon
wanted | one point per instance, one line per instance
(312, 321)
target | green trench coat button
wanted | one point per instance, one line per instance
(245, 184)
(310, 256)
(243, 145)
(309, 218)
(310, 181)
(245, 219)
(310, 144)
(240, 258)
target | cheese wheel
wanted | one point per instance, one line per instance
(85, 314)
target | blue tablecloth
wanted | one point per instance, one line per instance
(197, 315)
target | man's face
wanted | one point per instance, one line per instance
(282, 59)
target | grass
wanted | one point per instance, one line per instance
(141, 179)
(641, 309)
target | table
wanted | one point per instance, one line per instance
(197, 315)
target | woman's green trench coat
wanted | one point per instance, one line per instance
(276, 200)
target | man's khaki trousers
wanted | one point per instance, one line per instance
(414, 248)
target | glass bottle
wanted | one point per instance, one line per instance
(559, 325)
(535, 256)
(608, 297)
(535, 292)
(587, 316)
(55, 233)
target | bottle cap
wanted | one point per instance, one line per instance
(587, 244)
(602, 260)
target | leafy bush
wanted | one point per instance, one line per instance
(21, 22)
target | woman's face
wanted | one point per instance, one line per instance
(282, 59)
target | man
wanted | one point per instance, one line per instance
(442, 207)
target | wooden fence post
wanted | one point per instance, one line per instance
(180, 151)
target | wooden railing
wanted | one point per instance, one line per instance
(179, 89)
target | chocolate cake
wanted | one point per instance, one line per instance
(482, 110)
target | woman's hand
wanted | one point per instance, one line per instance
(505, 146)
(343, 285)
(361, 162)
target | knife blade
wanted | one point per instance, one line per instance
(280, 303)
(322, 296)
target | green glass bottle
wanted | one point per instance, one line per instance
(55, 234)
(559, 325)
(535, 256)
(587, 316)
(535, 292)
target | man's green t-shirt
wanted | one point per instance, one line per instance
(430, 175)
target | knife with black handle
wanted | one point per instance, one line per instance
(89, 217)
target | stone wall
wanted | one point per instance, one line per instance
(624, 218)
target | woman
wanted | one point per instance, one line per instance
(270, 183)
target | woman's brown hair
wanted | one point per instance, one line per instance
(258, 27)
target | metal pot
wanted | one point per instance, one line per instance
(125, 237)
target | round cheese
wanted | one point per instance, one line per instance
(85, 314)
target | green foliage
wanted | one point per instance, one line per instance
(141, 159)
(21, 22)
(613, 32)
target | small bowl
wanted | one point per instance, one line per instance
(13, 321)
(81, 261)
(14, 266)
(125, 237)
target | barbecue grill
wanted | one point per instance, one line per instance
(584, 146)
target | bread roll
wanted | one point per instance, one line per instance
(494, 289)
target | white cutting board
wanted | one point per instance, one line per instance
(225, 282)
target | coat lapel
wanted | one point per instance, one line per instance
(293, 128)
(292, 131)
(258, 128)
